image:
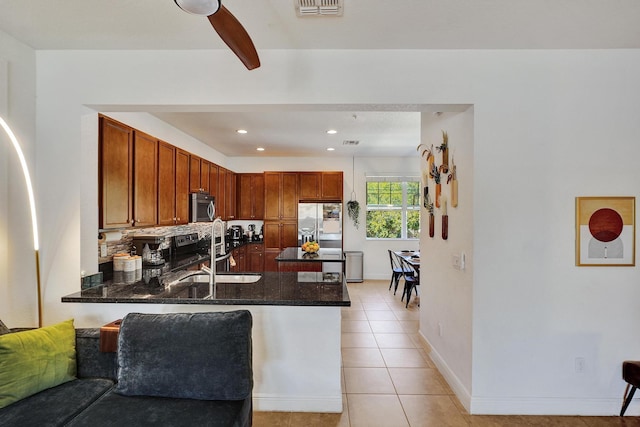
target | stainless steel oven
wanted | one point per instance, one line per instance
(199, 209)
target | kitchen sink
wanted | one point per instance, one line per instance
(221, 278)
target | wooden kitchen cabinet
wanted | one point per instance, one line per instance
(205, 166)
(173, 185)
(281, 196)
(277, 236)
(182, 187)
(166, 184)
(230, 195)
(250, 196)
(128, 168)
(213, 181)
(255, 257)
(221, 208)
(198, 174)
(240, 257)
(145, 179)
(320, 186)
(115, 169)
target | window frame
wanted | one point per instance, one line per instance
(404, 209)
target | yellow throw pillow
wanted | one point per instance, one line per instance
(35, 360)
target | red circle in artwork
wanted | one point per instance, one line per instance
(605, 225)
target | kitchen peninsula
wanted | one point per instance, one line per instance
(296, 326)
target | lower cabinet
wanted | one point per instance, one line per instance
(240, 257)
(255, 258)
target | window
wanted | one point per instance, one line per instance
(393, 207)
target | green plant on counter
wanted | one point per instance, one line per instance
(353, 210)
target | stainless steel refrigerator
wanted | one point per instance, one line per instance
(321, 222)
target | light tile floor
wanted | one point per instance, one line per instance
(389, 379)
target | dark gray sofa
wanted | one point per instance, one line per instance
(178, 369)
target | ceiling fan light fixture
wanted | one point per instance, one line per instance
(199, 7)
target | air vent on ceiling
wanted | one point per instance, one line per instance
(350, 142)
(318, 7)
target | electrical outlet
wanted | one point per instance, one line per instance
(440, 329)
(580, 365)
(103, 250)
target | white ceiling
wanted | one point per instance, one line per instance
(365, 24)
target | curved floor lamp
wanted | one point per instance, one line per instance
(32, 204)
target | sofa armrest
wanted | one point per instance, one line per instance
(91, 362)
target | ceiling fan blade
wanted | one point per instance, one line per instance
(235, 36)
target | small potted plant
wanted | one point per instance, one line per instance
(353, 210)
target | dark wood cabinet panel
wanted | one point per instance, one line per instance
(289, 200)
(204, 175)
(331, 186)
(194, 174)
(309, 185)
(220, 201)
(281, 195)
(255, 257)
(240, 257)
(173, 185)
(116, 174)
(166, 184)
(320, 186)
(145, 179)
(230, 195)
(213, 181)
(250, 196)
(182, 186)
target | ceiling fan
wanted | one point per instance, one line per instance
(227, 26)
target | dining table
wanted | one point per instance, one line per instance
(412, 257)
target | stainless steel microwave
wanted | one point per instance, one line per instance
(201, 205)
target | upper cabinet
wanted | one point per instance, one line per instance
(199, 174)
(173, 185)
(320, 186)
(182, 186)
(250, 196)
(145, 180)
(115, 169)
(280, 195)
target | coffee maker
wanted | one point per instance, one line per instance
(149, 246)
(252, 232)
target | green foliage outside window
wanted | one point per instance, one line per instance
(393, 209)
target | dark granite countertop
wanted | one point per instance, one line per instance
(295, 254)
(273, 288)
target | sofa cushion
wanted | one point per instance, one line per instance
(55, 406)
(186, 355)
(116, 410)
(35, 360)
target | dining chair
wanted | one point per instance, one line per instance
(396, 270)
(411, 280)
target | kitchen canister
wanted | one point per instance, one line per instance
(129, 264)
(118, 261)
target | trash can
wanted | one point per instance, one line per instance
(354, 265)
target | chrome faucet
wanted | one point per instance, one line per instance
(217, 223)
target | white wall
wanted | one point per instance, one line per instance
(447, 293)
(547, 125)
(18, 300)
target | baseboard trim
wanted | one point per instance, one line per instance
(526, 405)
(282, 403)
(452, 379)
(548, 406)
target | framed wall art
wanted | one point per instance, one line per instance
(605, 231)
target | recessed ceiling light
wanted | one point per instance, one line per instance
(243, 131)
(260, 149)
(332, 131)
(330, 149)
